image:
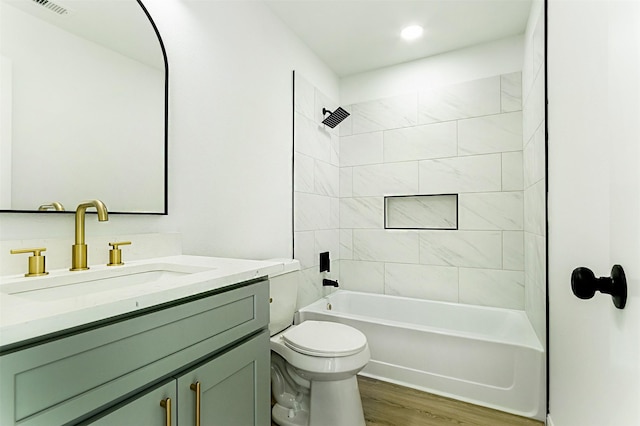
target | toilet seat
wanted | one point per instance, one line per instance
(324, 339)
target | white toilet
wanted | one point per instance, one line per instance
(313, 364)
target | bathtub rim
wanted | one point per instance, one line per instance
(319, 306)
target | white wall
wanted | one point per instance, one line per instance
(230, 133)
(231, 149)
(5, 130)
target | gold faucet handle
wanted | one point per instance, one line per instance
(121, 243)
(36, 262)
(115, 254)
(35, 251)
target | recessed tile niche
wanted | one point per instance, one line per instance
(421, 212)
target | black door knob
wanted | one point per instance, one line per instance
(584, 284)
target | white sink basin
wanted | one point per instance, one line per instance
(75, 284)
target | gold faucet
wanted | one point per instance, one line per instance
(79, 249)
(54, 205)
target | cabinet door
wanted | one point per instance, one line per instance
(233, 388)
(145, 410)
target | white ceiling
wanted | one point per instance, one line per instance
(350, 36)
(353, 36)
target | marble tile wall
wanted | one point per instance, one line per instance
(534, 153)
(464, 139)
(423, 211)
(484, 143)
(316, 186)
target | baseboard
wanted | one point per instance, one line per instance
(549, 422)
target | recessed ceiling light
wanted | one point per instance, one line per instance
(411, 32)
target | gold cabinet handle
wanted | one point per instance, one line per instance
(166, 404)
(115, 254)
(36, 262)
(196, 388)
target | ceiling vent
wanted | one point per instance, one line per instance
(52, 6)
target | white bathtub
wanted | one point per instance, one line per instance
(486, 356)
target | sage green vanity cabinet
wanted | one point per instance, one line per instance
(145, 410)
(232, 388)
(122, 367)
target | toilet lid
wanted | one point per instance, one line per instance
(324, 339)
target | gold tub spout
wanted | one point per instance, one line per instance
(79, 249)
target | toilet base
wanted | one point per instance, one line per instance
(332, 403)
(280, 416)
(336, 403)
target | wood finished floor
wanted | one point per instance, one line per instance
(387, 404)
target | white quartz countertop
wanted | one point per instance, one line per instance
(23, 318)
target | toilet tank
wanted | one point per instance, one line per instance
(283, 289)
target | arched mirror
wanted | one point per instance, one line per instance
(83, 106)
